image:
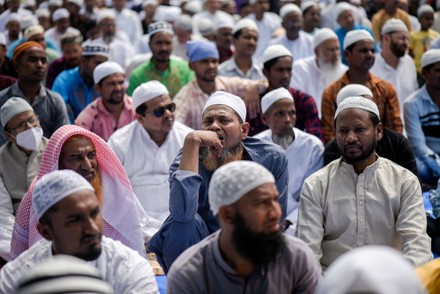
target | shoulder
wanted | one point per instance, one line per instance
(309, 139)
(120, 136)
(265, 135)
(265, 152)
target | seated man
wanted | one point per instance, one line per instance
(114, 108)
(69, 219)
(72, 147)
(147, 147)
(249, 253)
(223, 138)
(362, 199)
(392, 145)
(304, 151)
(19, 162)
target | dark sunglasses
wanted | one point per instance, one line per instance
(158, 112)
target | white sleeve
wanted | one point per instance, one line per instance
(7, 221)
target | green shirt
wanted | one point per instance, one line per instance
(177, 75)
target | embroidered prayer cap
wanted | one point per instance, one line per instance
(63, 274)
(32, 31)
(13, 17)
(342, 7)
(227, 99)
(430, 57)
(356, 36)
(54, 187)
(193, 6)
(42, 12)
(232, 181)
(105, 13)
(245, 23)
(371, 269)
(147, 91)
(92, 48)
(273, 96)
(184, 22)
(105, 69)
(307, 4)
(352, 90)
(59, 14)
(2, 39)
(275, 51)
(393, 25)
(323, 35)
(206, 26)
(424, 9)
(12, 107)
(222, 22)
(78, 3)
(289, 8)
(200, 49)
(21, 49)
(357, 102)
(160, 26)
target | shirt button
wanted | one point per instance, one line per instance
(360, 202)
(362, 220)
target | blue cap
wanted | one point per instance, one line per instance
(198, 50)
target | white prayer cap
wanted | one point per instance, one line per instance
(78, 3)
(63, 274)
(342, 7)
(13, 17)
(93, 48)
(323, 35)
(105, 13)
(28, 3)
(42, 12)
(32, 31)
(184, 22)
(149, 2)
(393, 25)
(147, 91)
(193, 6)
(105, 69)
(55, 186)
(424, 9)
(352, 90)
(12, 107)
(273, 96)
(206, 26)
(60, 13)
(27, 21)
(356, 36)
(227, 99)
(245, 23)
(307, 4)
(232, 181)
(222, 22)
(275, 51)
(2, 39)
(431, 56)
(56, 3)
(289, 8)
(357, 102)
(371, 269)
(160, 26)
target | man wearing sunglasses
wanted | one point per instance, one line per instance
(147, 147)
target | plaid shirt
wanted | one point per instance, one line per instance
(384, 96)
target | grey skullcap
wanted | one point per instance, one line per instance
(357, 102)
(232, 181)
(430, 57)
(184, 22)
(147, 91)
(54, 187)
(273, 96)
(206, 26)
(424, 9)
(12, 107)
(352, 90)
(393, 25)
(63, 274)
(227, 99)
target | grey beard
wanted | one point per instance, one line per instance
(285, 141)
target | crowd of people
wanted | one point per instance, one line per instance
(229, 146)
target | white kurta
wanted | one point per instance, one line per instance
(128, 21)
(123, 268)
(305, 156)
(147, 164)
(308, 78)
(300, 48)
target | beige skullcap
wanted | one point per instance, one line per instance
(227, 99)
(356, 36)
(357, 102)
(12, 107)
(232, 181)
(431, 56)
(275, 51)
(32, 31)
(147, 91)
(273, 96)
(393, 25)
(352, 90)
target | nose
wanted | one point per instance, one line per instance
(86, 164)
(275, 211)
(214, 126)
(351, 137)
(91, 225)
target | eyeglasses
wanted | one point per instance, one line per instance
(33, 121)
(158, 112)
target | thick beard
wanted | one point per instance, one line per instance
(262, 249)
(93, 253)
(396, 50)
(365, 154)
(97, 185)
(284, 141)
(211, 162)
(108, 39)
(329, 70)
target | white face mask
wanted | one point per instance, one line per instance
(30, 139)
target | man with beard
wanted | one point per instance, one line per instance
(70, 221)
(223, 138)
(172, 73)
(74, 148)
(249, 254)
(359, 52)
(362, 199)
(304, 151)
(76, 85)
(71, 56)
(313, 74)
(393, 63)
(113, 109)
